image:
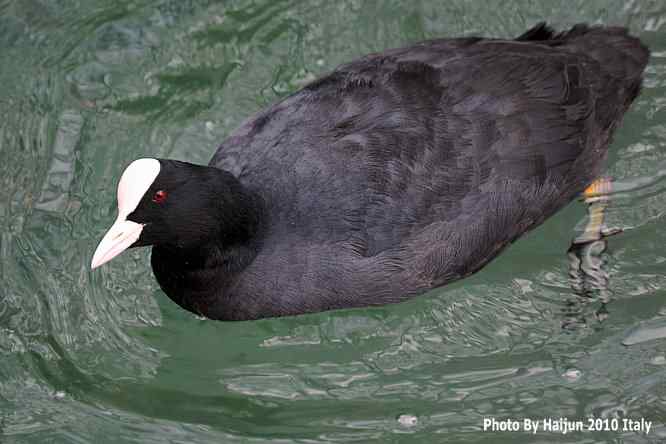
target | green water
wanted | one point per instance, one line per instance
(88, 86)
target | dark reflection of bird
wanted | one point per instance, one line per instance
(394, 174)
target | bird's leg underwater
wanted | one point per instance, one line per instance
(596, 196)
(587, 274)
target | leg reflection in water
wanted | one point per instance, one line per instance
(587, 272)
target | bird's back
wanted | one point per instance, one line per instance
(404, 170)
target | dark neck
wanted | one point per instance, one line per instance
(197, 278)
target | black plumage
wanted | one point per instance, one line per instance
(394, 174)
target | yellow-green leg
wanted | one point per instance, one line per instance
(587, 274)
(596, 196)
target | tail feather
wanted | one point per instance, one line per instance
(621, 60)
(541, 31)
(619, 54)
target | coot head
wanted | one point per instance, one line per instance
(173, 204)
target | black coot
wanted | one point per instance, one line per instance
(394, 174)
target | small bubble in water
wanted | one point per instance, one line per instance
(658, 360)
(59, 395)
(408, 420)
(572, 374)
(175, 62)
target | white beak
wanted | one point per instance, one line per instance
(120, 236)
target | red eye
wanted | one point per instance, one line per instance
(159, 196)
